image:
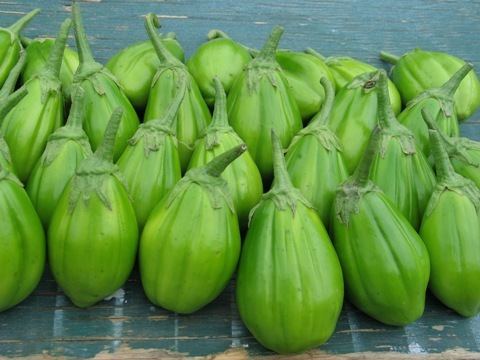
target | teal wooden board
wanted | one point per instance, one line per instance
(128, 326)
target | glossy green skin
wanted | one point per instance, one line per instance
(452, 236)
(220, 57)
(193, 116)
(22, 245)
(37, 56)
(303, 73)
(10, 48)
(151, 176)
(92, 248)
(407, 180)
(253, 114)
(135, 66)
(28, 125)
(289, 285)
(420, 70)
(345, 69)
(411, 117)
(385, 263)
(316, 172)
(47, 181)
(188, 251)
(99, 108)
(242, 175)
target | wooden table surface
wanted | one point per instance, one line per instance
(47, 325)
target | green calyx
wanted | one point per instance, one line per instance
(11, 81)
(208, 177)
(21, 23)
(165, 57)
(367, 82)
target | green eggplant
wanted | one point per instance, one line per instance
(420, 70)
(38, 51)
(102, 93)
(135, 66)
(451, 232)
(193, 115)
(150, 163)
(28, 125)
(344, 69)
(22, 243)
(65, 149)
(354, 115)
(93, 235)
(314, 159)
(243, 177)
(440, 104)
(289, 284)
(219, 56)
(400, 170)
(385, 262)
(191, 242)
(10, 45)
(260, 100)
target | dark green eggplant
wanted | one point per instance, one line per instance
(191, 242)
(193, 115)
(289, 285)
(440, 104)
(22, 243)
(314, 159)
(400, 170)
(150, 163)
(260, 100)
(93, 235)
(28, 125)
(102, 93)
(385, 262)
(344, 69)
(10, 45)
(420, 70)
(243, 178)
(219, 56)
(451, 232)
(135, 66)
(65, 149)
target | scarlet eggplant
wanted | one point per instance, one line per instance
(150, 163)
(315, 152)
(93, 235)
(219, 56)
(29, 124)
(420, 70)
(242, 176)
(451, 232)
(135, 66)
(22, 243)
(193, 115)
(289, 283)
(440, 104)
(10, 46)
(385, 263)
(65, 149)
(102, 93)
(260, 100)
(191, 242)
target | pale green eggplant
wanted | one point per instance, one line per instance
(289, 285)
(102, 93)
(193, 115)
(65, 149)
(93, 235)
(243, 178)
(28, 125)
(191, 242)
(314, 159)
(260, 100)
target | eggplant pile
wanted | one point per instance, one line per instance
(311, 180)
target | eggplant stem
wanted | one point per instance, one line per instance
(75, 117)
(11, 82)
(269, 49)
(166, 58)
(315, 53)
(105, 150)
(443, 166)
(322, 117)
(386, 116)
(23, 21)
(454, 82)
(220, 163)
(55, 57)
(219, 118)
(84, 51)
(281, 178)
(389, 57)
(217, 34)
(362, 172)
